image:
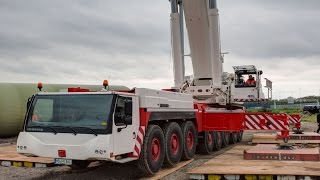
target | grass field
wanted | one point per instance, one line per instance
(311, 118)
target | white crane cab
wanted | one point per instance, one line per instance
(77, 127)
(80, 126)
(247, 86)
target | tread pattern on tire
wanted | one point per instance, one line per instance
(184, 127)
(225, 138)
(233, 137)
(168, 128)
(204, 147)
(217, 145)
(143, 165)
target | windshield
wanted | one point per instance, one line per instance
(75, 113)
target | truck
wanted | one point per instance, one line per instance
(155, 128)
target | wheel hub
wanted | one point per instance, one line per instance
(174, 144)
(155, 149)
(190, 140)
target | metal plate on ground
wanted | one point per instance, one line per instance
(272, 152)
(232, 163)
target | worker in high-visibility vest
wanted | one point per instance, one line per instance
(251, 80)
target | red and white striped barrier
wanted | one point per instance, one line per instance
(249, 100)
(139, 141)
(293, 118)
(265, 122)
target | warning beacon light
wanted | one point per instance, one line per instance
(39, 86)
(105, 83)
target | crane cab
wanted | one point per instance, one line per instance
(247, 86)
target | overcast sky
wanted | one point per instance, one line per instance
(84, 42)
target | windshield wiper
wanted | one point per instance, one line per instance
(54, 131)
(74, 132)
(93, 131)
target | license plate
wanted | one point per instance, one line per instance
(62, 161)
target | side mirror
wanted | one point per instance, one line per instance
(29, 102)
(260, 72)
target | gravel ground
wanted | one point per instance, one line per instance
(111, 170)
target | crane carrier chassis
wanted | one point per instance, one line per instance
(152, 127)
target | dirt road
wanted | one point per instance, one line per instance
(110, 170)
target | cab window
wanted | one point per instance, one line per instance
(245, 80)
(123, 111)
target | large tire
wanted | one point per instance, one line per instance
(239, 135)
(190, 140)
(218, 140)
(152, 151)
(233, 137)
(79, 164)
(225, 138)
(173, 143)
(206, 144)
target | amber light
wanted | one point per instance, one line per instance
(105, 83)
(39, 86)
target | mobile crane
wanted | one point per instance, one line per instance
(151, 127)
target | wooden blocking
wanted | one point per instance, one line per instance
(271, 152)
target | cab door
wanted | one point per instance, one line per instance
(125, 123)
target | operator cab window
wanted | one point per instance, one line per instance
(245, 80)
(123, 111)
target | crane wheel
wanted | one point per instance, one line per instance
(173, 143)
(206, 144)
(239, 135)
(190, 140)
(152, 151)
(225, 138)
(233, 137)
(217, 140)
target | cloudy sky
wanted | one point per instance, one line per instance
(127, 41)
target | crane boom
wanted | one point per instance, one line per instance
(202, 22)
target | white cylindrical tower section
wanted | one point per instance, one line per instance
(215, 47)
(176, 50)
